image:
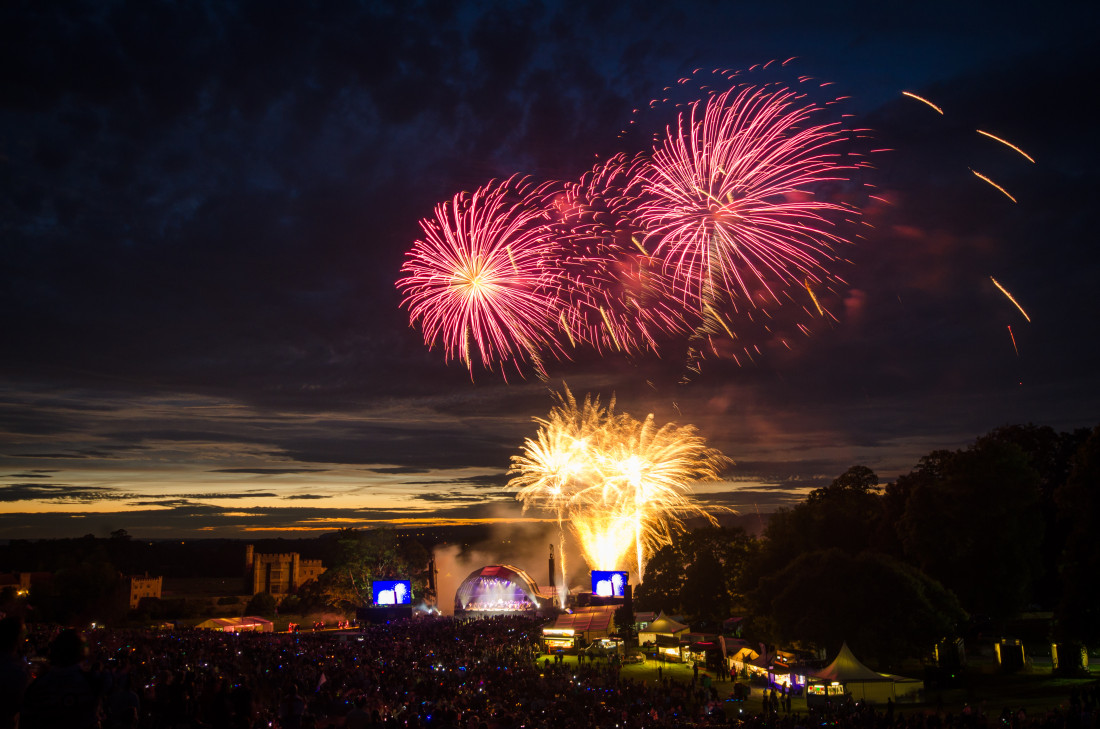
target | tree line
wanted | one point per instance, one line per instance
(961, 545)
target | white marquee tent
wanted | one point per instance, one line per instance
(846, 675)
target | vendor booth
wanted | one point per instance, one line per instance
(669, 649)
(846, 676)
(661, 625)
(580, 627)
(739, 658)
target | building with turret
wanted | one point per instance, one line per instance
(277, 574)
(134, 588)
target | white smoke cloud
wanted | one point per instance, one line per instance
(522, 545)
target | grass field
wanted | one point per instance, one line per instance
(1037, 691)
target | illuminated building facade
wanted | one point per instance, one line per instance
(134, 589)
(277, 574)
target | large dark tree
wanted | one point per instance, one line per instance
(843, 515)
(704, 595)
(371, 554)
(1078, 612)
(972, 521)
(882, 607)
(262, 604)
(84, 591)
(664, 577)
(699, 575)
(1051, 454)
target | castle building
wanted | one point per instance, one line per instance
(277, 574)
(136, 587)
(18, 581)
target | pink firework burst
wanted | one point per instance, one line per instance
(615, 295)
(479, 281)
(729, 200)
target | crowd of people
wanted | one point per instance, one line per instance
(424, 673)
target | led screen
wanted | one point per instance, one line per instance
(608, 584)
(392, 592)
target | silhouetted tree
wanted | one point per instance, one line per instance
(262, 604)
(1078, 612)
(843, 515)
(704, 595)
(882, 607)
(698, 575)
(83, 592)
(371, 554)
(664, 576)
(291, 604)
(1051, 454)
(972, 521)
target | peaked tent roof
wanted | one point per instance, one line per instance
(846, 667)
(583, 620)
(664, 624)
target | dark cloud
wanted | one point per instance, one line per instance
(185, 518)
(437, 496)
(752, 499)
(400, 470)
(480, 482)
(99, 453)
(13, 492)
(446, 496)
(224, 495)
(268, 471)
(451, 448)
(179, 506)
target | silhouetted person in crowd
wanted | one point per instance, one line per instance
(294, 707)
(358, 718)
(14, 671)
(123, 705)
(64, 696)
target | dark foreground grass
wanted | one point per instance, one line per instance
(991, 692)
(1036, 692)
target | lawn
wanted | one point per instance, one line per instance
(1037, 691)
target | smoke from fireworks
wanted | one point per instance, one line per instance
(619, 484)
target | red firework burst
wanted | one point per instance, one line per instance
(480, 280)
(729, 204)
(615, 295)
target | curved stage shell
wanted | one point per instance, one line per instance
(498, 589)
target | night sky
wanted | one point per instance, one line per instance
(204, 208)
